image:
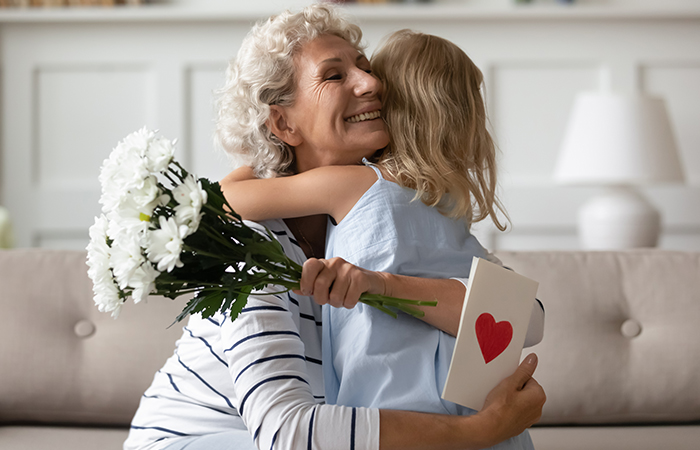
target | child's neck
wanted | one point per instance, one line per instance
(310, 233)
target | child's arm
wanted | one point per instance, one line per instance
(329, 190)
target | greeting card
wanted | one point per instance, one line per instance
(492, 329)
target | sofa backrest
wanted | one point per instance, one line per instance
(621, 345)
(622, 335)
(63, 361)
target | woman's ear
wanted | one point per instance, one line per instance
(280, 127)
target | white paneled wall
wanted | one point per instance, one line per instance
(74, 83)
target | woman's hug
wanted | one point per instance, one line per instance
(369, 173)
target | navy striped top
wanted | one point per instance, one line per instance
(260, 374)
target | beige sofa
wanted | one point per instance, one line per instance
(620, 361)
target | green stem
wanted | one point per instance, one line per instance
(380, 307)
(412, 311)
(217, 237)
(395, 300)
(165, 174)
(182, 169)
(216, 211)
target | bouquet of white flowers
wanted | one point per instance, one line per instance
(165, 232)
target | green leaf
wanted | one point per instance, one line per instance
(189, 308)
(241, 301)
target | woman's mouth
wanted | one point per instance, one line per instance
(364, 116)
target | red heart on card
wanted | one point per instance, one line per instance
(493, 336)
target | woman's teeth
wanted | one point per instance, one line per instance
(363, 117)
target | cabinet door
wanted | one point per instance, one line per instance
(72, 91)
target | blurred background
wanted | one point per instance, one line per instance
(77, 77)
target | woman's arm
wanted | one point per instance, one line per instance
(511, 407)
(265, 350)
(331, 190)
(274, 398)
(339, 283)
(265, 354)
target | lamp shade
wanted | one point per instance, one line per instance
(615, 139)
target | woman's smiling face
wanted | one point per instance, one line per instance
(335, 118)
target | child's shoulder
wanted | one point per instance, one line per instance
(343, 186)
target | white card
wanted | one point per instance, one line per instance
(495, 317)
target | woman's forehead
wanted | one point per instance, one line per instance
(328, 49)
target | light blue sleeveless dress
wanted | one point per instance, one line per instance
(369, 358)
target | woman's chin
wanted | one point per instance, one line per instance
(370, 134)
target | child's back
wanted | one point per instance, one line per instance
(399, 363)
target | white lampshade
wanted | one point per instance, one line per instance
(615, 139)
(618, 141)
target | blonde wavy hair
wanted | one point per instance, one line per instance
(263, 74)
(436, 118)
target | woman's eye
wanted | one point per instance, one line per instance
(368, 70)
(334, 77)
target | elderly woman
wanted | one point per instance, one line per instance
(257, 381)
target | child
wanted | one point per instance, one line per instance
(441, 154)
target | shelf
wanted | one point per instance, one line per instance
(385, 12)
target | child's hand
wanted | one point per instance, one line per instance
(338, 283)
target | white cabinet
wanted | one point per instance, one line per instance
(75, 82)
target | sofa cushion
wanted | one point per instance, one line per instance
(677, 437)
(61, 438)
(622, 339)
(63, 360)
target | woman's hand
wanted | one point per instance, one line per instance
(338, 283)
(511, 407)
(515, 404)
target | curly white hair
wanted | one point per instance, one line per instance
(263, 74)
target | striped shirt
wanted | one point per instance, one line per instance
(261, 372)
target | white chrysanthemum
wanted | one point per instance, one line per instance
(130, 166)
(143, 281)
(126, 257)
(106, 292)
(165, 244)
(132, 217)
(159, 154)
(146, 195)
(107, 297)
(120, 175)
(127, 224)
(190, 198)
(131, 225)
(139, 139)
(98, 252)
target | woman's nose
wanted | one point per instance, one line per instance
(367, 84)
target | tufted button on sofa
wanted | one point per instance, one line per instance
(70, 376)
(620, 360)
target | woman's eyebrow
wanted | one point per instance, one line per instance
(333, 60)
(329, 60)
